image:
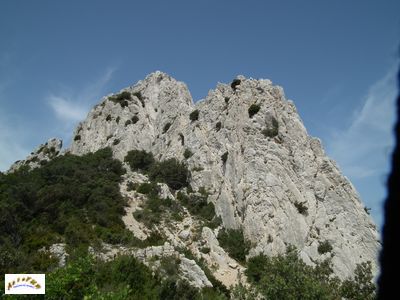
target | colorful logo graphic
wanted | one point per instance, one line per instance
(24, 283)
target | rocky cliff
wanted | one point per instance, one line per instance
(251, 152)
(246, 145)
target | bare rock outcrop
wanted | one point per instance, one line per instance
(41, 155)
(253, 155)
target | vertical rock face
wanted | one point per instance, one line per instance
(252, 153)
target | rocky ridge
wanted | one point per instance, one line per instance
(251, 152)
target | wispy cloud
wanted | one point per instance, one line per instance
(11, 145)
(66, 109)
(361, 149)
(72, 106)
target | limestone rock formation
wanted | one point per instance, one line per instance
(39, 156)
(252, 153)
(246, 145)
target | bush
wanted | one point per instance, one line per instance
(116, 142)
(218, 126)
(135, 119)
(146, 188)
(140, 97)
(224, 157)
(77, 137)
(155, 209)
(253, 109)
(131, 186)
(233, 241)
(128, 122)
(362, 287)
(301, 208)
(166, 127)
(271, 130)
(288, 277)
(197, 205)
(172, 172)
(182, 139)
(187, 154)
(121, 98)
(139, 159)
(235, 83)
(108, 118)
(194, 115)
(324, 247)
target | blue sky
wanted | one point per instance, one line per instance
(335, 59)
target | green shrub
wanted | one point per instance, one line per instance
(218, 126)
(324, 247)
(194, 115)
(140, 97)
(235, 83)
(121, 98)
(77, 137)
(182, 139)
(301, 208)
(367, 210)
(187, 154)
(198, 206)
(271, 130)
(135, 119)
(226, 100)
(253, 109)
(205, 250)
(155, 209)
(130, 186)
(148, 188)
(175, 288)
(288, 277)
(224, 157)
(361, 287)
(139, 159)
(233, 241)
(116, 142)
(166, 127)
(117, 119)
(108, 118)
(172, 172)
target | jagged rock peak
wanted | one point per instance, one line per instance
(135, 117)
(41, 155)
(252, 154)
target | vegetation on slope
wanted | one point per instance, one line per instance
(122, 278)
(288, 277)
(71, 199)
(76, 200)
(172, 172)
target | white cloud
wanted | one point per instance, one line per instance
(11, 146)
(72, 107)
(67, 110)
(361, 148)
